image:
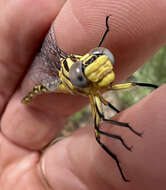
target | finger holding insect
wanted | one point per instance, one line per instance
(144, 163)
(74, 154)
(133, 36)
(33, 29)
(87, 29)
(20, 34)
(99, 132)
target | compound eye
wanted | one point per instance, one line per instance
(103, 51)
(110, 55)
(77, 76)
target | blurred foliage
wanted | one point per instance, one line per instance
(154, 71)
(79, 119)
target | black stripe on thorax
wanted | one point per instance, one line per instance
(66, 65)
(65, 75)
(93, 58)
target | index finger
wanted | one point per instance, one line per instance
(20, 34)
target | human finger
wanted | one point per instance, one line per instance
(87, 166)
(55, 115)
(21, 31)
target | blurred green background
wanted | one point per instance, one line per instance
(154, 71)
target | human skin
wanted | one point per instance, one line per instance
(138, 30)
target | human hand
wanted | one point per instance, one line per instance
(137, 30)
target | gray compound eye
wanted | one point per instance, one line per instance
(77, 76)
(103, 51)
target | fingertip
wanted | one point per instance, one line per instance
(135, 28)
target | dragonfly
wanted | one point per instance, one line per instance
(88, 75)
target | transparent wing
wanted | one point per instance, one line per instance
(46, 65)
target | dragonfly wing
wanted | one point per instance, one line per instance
(47, 63)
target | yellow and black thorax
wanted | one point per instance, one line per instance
(87, 74)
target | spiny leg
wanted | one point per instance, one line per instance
(117, 123)
(116, 137)
(98, 118)
(98, 132)
(131, 84)
(145, 84)
(114, 157)
(105, 102)
(122, 124)
(119, 87)
(124, 86)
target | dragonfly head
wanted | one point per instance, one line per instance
(95, 67)
(99, 51)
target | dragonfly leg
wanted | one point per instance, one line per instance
(105, 148)
(105, 102)
(117, 123)
(114, 157)
(145, 84)
(116, 137)
(98, 117)
(98, 132)
(131, 84)
(124, 86)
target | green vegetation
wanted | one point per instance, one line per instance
(154, 71)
